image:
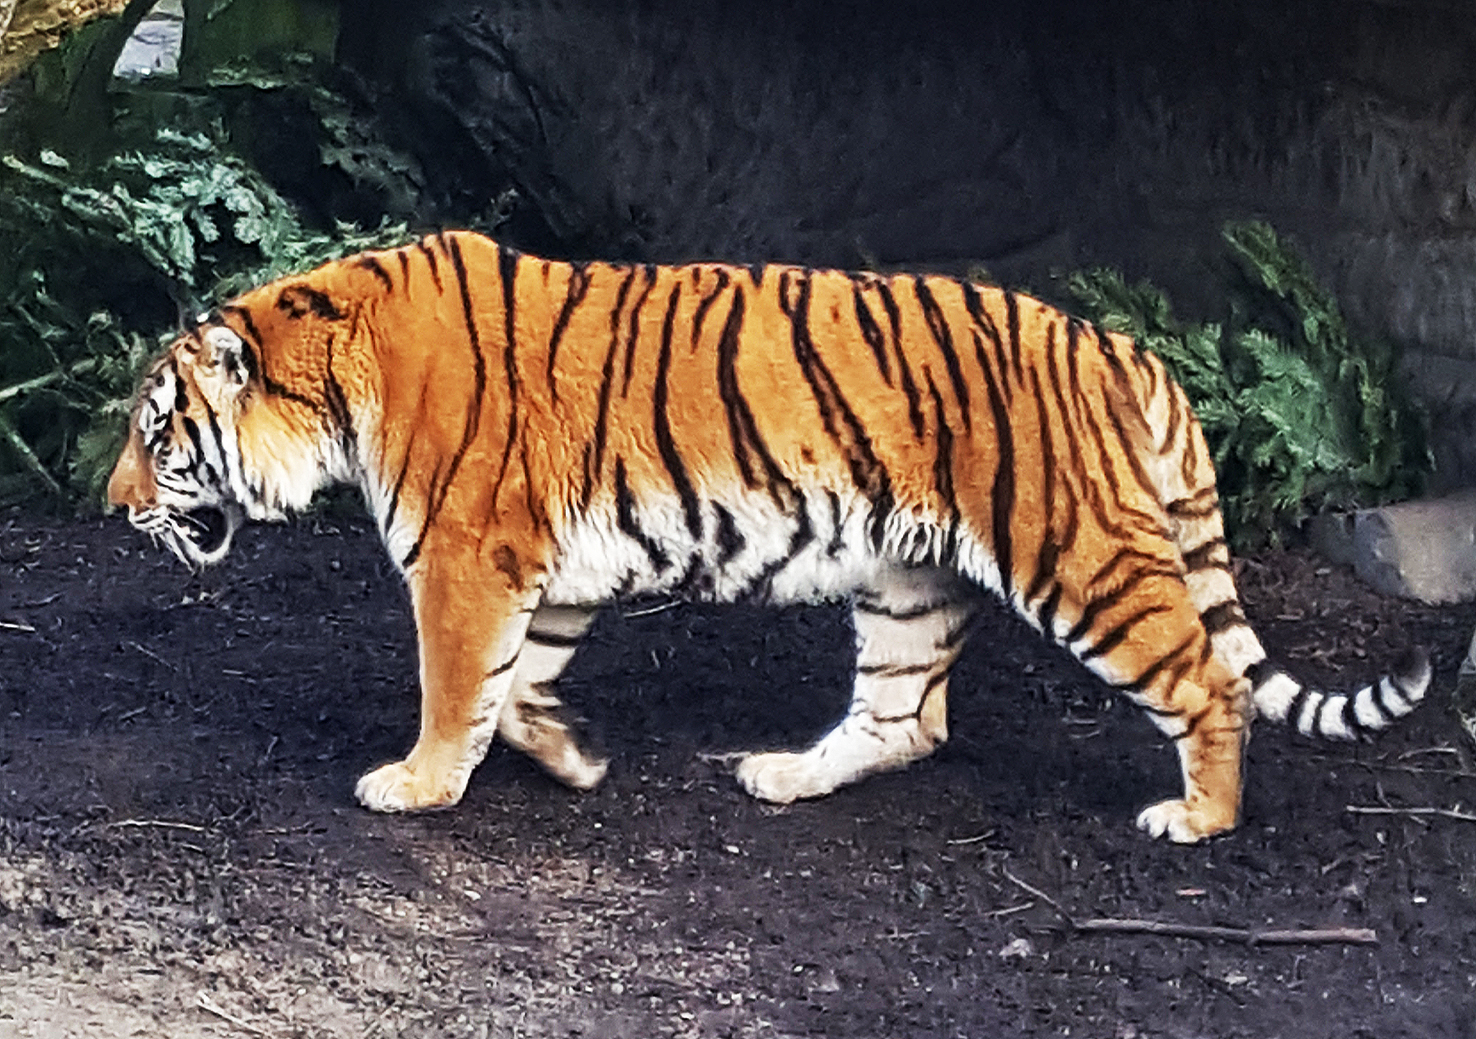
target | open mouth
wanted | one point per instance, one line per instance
(208, 528)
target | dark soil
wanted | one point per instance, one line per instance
(180, 853)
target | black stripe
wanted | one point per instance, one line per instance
(192, 430)
(243, 315)
(394, 503)
(1095, 607)
(1192, 724)
(181, 394)
(297, 301)
(578, 287)
(1221, 616)
(1203, 503)
(1386, 716)
(1399, 692)
(1350, 720)
(553, 639)
(507, 272)
(742, 429)
(1012, 328)
(1114, 638)
(938, 327)
(896, 670)
(929, 687)
(503, 668)
(665, 445)
(943, 474)
(593, 466)
(215, 432)
(625, 518)
(985, 322)
(871, 332)
(338, 408)
(837, 542)
(370, 263)
(910, 613)
(1046, 615)
(404, 257)
(1051, 544)
(804, 533)
(706, 302)
(635, 327)
(1142, 681)
(1002, 496)
(436, 493)
(904, 370)
(730, 539)
(1204, 557)
(840, 421)
(433, 262)
(1261, 671)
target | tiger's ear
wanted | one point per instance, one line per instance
(222, 361)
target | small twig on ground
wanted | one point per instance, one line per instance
(974, 839)
(209, 1005)
(1294, 936)
(1444, 813)
(140, 824)
(14, 626)
(727, 757)
(648, 610)
(1038, 893)
(1110, 925)
(146, 651)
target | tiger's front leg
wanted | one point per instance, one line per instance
(910, 628)
(471, 618)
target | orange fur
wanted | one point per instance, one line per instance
(512, 419)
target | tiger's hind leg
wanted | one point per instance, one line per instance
(1143, 634)
(533, 718)
(910, 628)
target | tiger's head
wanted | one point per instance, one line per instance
(244, 415)
(180, 473)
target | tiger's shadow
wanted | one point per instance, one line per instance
(1027, 723)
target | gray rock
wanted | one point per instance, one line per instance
(1423, 550)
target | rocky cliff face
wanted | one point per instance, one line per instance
(1014, 140)
(1022, 141)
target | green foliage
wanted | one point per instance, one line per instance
(1300, 415)
(180, 223)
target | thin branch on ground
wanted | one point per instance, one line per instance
(209, 1005)
(1170, 929)
(1292, 936)
(1417, 810)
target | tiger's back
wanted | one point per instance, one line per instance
(537, 437)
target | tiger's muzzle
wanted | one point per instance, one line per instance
(199, 536)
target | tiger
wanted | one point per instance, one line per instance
(535, 438)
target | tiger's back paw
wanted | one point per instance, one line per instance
(577, 769)
(781, 777)
(1182, 822)
(398, 788)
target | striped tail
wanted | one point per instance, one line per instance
(1178, 465)
(1340, 716)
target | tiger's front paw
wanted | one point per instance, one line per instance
(781, 777)
(398, 788)
(1182, 822)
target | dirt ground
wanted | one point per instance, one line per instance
(180, 853)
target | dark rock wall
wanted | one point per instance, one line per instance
(1025, 139)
